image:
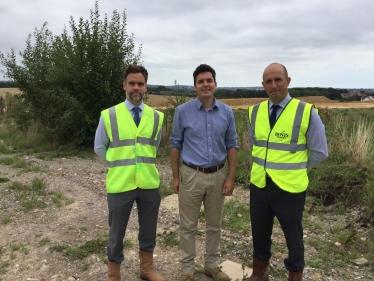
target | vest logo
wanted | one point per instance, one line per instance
(281, 135)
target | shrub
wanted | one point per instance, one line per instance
(67, 80)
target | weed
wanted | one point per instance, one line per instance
(169, 239)
(3, 266)
(85, 266)
(236, 217)
(15, 247)
(5, 220)
(93, 246)
(25, 251)
(2, 180)
(165, 190)
(127, 243)
(44, 242)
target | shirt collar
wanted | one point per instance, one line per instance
(283, 103)
(130, 106)
(199, 104)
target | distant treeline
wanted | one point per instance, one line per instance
(8, 84)
(330, 93)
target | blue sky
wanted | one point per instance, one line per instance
(323, 43)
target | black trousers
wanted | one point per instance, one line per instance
(120, 206)
(267, 203)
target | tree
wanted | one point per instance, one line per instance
(67, 80)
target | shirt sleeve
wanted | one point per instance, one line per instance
(231, 134)
(101, 143)
(316, 141)
(176, 136)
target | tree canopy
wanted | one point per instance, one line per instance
(66, 80)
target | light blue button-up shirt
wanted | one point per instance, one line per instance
(203, 136)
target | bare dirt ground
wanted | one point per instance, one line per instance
(84, 181)
(86, 219)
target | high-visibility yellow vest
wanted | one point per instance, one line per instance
(131, 155)
(281, 152)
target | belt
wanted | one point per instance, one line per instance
(208, 170)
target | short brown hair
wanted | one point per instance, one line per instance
(203, 68)
(132, 68)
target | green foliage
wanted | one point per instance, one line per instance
(6, 220)
(344, 183)
(236, 217)
(169, 239)
(90, 247)
(346, 177)
(44, 242)
(2, 180)
(172, 103)
(165, 190)
(30, 196)
(66, 80)
(243, 167)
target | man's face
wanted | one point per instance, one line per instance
(275, 83)
(205, 85)
(135, 88)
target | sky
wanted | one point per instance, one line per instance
(322, 43)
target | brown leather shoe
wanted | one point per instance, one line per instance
(216, 273)
(113, 270)
(147, 271)
(260, 271)
(298, 276)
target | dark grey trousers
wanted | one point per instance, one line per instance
(120, 206)
(267, 203)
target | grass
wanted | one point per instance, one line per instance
(95, 246)
(36, 195)
(19, 163)
(6, 220)
(165, 190)
(236, 217)
(2, 180)
(169, 239)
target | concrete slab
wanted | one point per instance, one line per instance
(235, 271)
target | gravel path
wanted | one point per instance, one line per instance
(83, 180)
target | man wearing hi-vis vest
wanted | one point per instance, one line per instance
(287, 139)
(127, 138)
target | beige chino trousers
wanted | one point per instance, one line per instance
(196, 188)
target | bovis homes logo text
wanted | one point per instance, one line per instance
(281, 135)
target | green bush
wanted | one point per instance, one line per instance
(66, 80)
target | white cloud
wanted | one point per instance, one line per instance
(322, 42)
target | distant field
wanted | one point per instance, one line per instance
(13, 91)
(318, 101)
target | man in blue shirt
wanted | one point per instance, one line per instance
(204, 135)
